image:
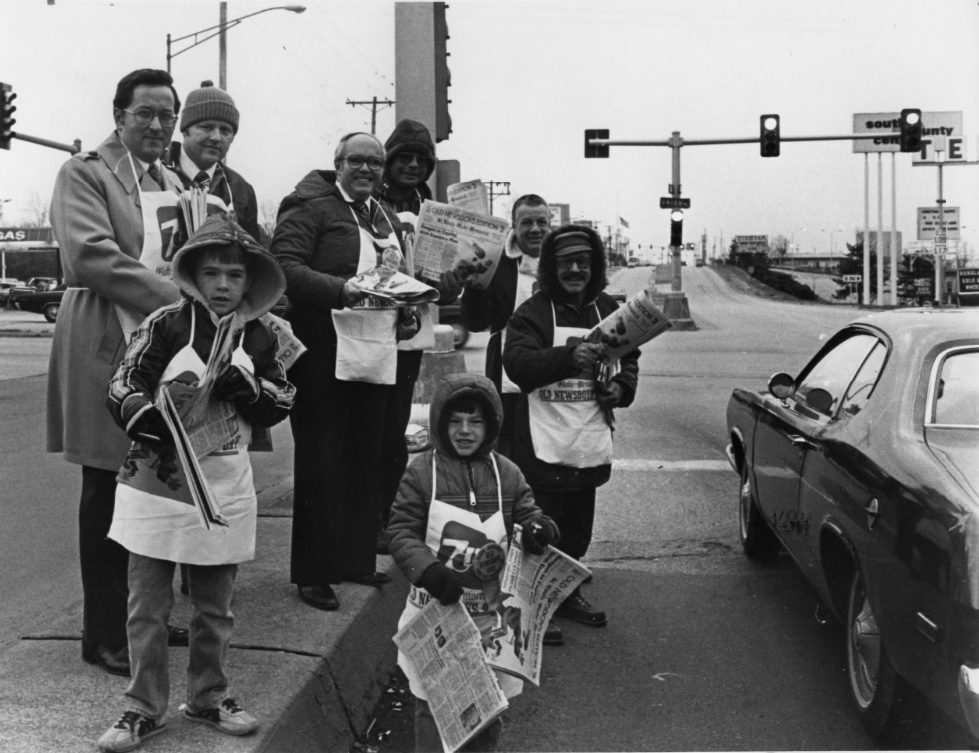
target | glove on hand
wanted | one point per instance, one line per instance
(442, 583)
(144, 422)
(586, 357)
(538, 534)
(236, 383)
(610, 396)
(409, 322)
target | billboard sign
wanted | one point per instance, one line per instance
(928, 223)
(968, 281)
(560, 214)
(751, 244)
(886, 128)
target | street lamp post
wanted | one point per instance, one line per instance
(220, 30)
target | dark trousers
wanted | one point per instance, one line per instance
(394, 455)
(337, 428)
(511, 402)
(104, 564)
(574, 513)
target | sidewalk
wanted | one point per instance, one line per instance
(311, 677)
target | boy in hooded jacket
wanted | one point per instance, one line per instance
(457, 498)
(220, 270)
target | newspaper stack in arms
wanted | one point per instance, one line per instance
(455, 664)
(395, 287)
(451, 237)
(634, 323)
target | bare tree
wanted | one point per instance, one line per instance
(37, 211)
(779, 246)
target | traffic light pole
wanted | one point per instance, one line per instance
(71, 148)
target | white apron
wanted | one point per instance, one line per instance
(160, 210)
(166, 529)
(457, 535)
(367, 334)
(567, 425)
(526, 277)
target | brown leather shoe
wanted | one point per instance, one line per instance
(177, 636)
(113, 661)
(577, 608)
(553, 635)
(320, 597)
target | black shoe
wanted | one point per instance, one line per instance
(553, 636)
(115, 662)
(578, 609)
(368, 579)
(177, 636)
(320, 597)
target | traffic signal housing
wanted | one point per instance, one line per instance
(676, 228)
(771, 138)
(7, 119)
(591, 150)
(443, 76)
(910, 130)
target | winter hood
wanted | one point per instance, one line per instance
(266, 281)
(410, 136)
(454, 387)
(547, 267)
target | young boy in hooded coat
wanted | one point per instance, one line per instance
(455, 499)
(220, 270)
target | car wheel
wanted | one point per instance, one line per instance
(757, 539)
(874, 684)
(51, 311)
(460, 334)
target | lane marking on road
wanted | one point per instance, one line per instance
(639, 464)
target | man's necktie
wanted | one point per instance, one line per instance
(364, 210)
(155, 174)
(202, 180)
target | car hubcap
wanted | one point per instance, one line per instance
(864, 648)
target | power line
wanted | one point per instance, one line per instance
(373, 105)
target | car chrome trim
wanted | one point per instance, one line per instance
(729, 451)
(936, 367)
(969, 696)
(926, 627)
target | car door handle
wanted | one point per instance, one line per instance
(800, 441)
(873, 512)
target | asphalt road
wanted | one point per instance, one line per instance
(704, 650)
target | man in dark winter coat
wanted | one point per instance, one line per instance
(209, 124)
(563, 431)
(330, 229)
(512, 284)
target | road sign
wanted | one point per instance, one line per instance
(928, 223)
(969, 281)
(852, 278)
(673, 202)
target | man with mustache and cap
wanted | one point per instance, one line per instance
(562, 433)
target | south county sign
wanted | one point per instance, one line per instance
(886, 126)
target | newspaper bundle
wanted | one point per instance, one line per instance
(451, 237)
(290, 347)
(531, 589)
(471, 195)
(634, 323)
(444, 645)
(393, 287)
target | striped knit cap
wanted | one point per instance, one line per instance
(208, 103)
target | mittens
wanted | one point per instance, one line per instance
(538, 534)
(144, 422)
(442, 583)
(235, 384)
(610, 396)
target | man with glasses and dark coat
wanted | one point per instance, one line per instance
(562, 434)
(328, 230)
(110, 213)
(209, 124)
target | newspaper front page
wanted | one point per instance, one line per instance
(451, 237)
(393, 287)
(634, 323)
(471, 195)
(443, 644)
(532, 587)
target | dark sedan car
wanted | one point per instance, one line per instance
(46, 302)
(865, 469)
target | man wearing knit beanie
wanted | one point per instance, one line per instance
(209, 124)
(409, 162)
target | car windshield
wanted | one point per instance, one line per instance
(957, 390)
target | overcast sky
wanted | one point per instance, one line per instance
(528, 78)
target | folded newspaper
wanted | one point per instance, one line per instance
(395, 287)
(444, 645)
(634, 323)
(451, 237)
(532, 587)
(471, 195)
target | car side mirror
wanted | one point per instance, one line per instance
(781, 385)
(819, 400)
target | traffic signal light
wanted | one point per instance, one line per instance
(771, 139)
(592, 151)
(7, 119)
(443, 76)
(910, 130)
(676, 228)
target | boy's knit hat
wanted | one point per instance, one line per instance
(208, 103)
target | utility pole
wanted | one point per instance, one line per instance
(493, 192)
(373, 103)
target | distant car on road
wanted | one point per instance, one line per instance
(6, 285)
(46, 302)
(864, 469)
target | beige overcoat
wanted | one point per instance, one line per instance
(97, 221)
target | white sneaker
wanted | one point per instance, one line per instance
(129, 732)
(227, 716)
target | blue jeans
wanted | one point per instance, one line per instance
(212, 588)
